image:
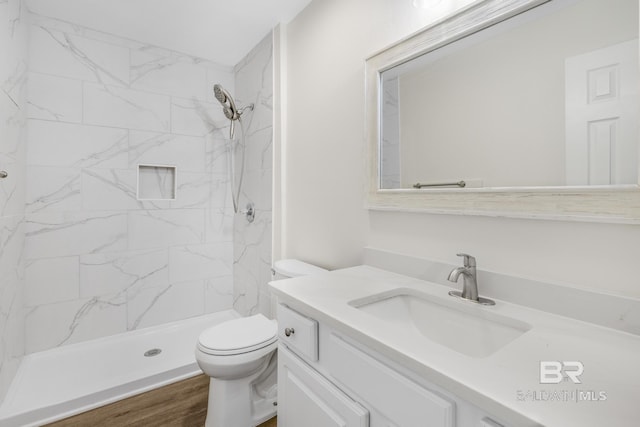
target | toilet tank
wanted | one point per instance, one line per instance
(286, 268)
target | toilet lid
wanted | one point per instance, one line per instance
(239, 335)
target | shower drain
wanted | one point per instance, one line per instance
(152, 352)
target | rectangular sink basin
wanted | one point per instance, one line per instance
(459, 325)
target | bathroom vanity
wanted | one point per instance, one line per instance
(352, 385)
(366, 347)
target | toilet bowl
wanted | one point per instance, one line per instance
(240, 358)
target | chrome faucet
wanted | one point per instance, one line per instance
(469, 281)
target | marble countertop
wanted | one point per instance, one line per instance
(506, 383)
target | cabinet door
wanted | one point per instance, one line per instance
(387, 392)
(305, 398)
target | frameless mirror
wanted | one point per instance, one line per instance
(508, 96)
(546, 98)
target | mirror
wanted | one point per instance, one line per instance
(546, 98)
(507, 98)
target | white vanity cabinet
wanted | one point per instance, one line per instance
(306, 398)
(326, 379)
(395, 398)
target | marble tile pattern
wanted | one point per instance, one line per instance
(390, 176)
(252, 241)
(13, 73)
(99, 259)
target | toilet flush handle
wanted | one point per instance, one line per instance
(289, 331)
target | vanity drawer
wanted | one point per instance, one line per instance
(373, 383)
(298, 332)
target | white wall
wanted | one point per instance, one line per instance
(325, 168)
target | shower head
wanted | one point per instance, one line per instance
(225, 98)
(228, 113)
(229, 108)
(221, 94)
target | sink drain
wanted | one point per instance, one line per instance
(152, 352)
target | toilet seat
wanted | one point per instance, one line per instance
(238, 336)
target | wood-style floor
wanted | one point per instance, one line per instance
(273, 422)
(182, 404)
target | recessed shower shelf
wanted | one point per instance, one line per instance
(157, 182)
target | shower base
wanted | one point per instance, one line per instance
(61, 382)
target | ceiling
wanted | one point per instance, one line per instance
(223, 31)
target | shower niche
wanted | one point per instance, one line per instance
(157, 182)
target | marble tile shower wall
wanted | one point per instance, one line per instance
(13, 70)
(99, 260)
(252, 241)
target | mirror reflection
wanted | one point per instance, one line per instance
(546, 98)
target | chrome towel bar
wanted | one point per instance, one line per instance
(460, 184)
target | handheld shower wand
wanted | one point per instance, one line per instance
(233, 113)
(229, 108)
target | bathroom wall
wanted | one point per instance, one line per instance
(13, 71)
(99, 260)
(252, 241)
(324, 196)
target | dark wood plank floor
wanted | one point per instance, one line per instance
(182, 404)
(273, 422)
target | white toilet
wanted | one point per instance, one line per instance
(240, 357)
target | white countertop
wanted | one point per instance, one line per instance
(506, 383)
